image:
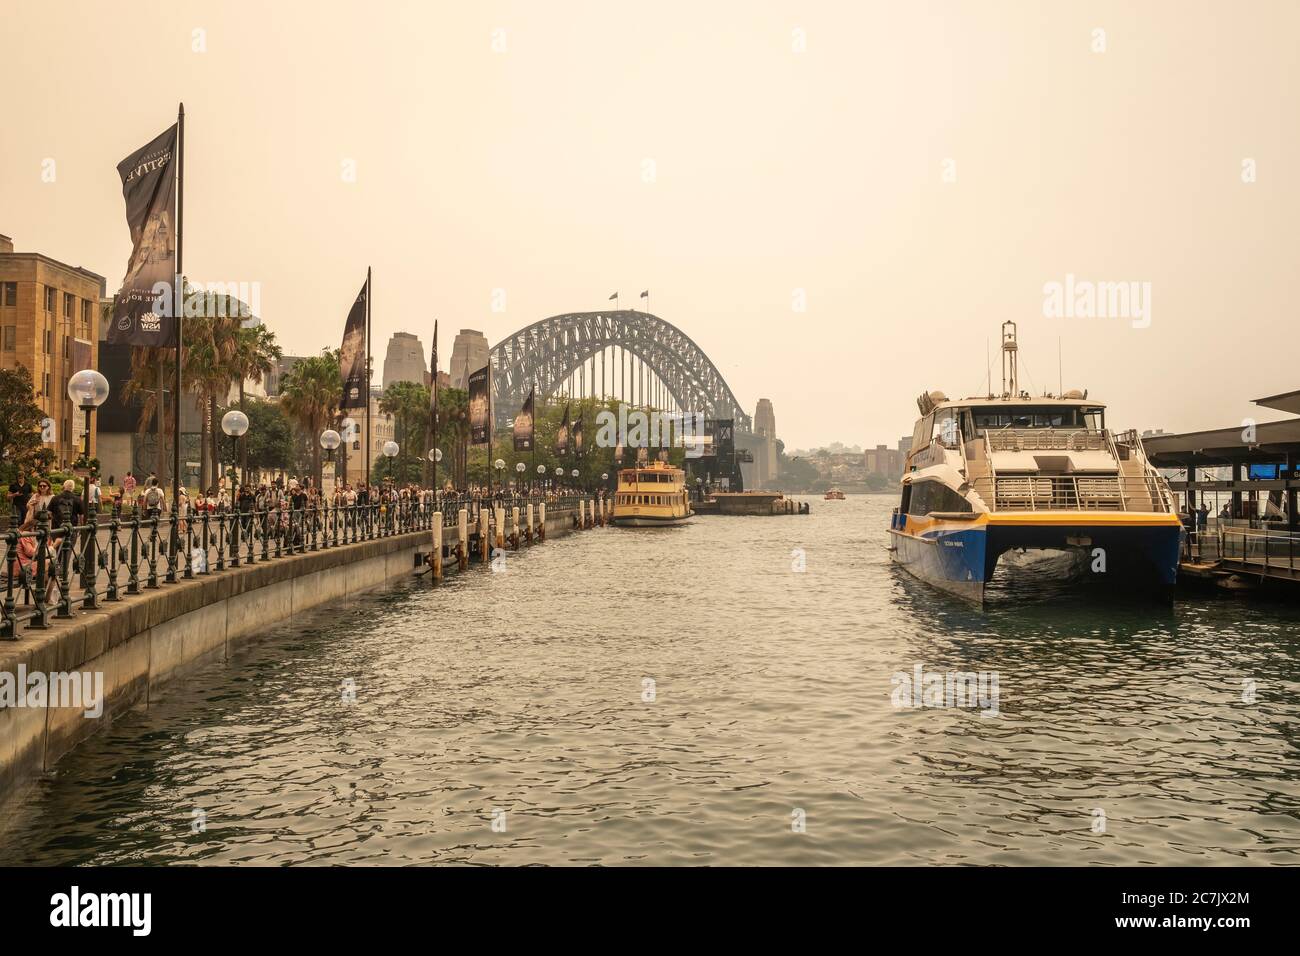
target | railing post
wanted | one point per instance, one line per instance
(234, 540)
(114, 559)
(89, 566)
(221, 541)
(205, 536)
(9, 609)
(186, 536)
(173, 544)
(66, 549)
(41, 616)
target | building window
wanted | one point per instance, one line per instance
(69, 305)
(11, 293)
(49, 298)
(85, 312)
(47, 384)
(10, 338)
(49, 342)
(66, 349)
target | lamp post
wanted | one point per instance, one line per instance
(500, 466)
(235, 424)
(330, 440)
(541, 472)
(390, 452)
(519, 482)
(559, 477)
(435, 456)
(89, 390)
(574, 473)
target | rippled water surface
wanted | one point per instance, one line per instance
(522, 692)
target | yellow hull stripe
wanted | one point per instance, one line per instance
(1041, 519)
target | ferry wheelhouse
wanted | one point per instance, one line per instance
(650, 495)
(1009, 472)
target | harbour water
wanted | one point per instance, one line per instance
(685, 695)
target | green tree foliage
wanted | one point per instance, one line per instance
(408, 405)
(20, 423)
(269, 442)
(310, 396)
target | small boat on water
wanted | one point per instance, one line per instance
(834, 495)
(651, 495)
(1009, 473)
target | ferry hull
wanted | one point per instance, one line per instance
(651, 521)
(960, 557)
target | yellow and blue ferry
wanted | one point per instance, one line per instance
(1010, 472)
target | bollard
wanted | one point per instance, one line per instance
(462, 543)
(514, 528)
(499, 517)
(582, 512)
(436, 557)
(541, 521)
(528, 526)
(484, 543)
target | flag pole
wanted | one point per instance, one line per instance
(370, 435)
(178, 299)
(433, 417)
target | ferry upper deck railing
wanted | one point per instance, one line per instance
(51, 571)
(1073, 492)
(1045, 439)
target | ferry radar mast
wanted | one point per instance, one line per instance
(1010, 384)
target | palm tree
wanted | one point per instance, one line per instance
(408, 403)
(209, 357)
(310, 395)
(256, 353)
(452, 432)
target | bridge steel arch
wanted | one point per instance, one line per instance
(546, 353)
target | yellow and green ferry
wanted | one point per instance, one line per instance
(651, 495)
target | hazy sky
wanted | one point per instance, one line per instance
(795, 146)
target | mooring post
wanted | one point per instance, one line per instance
(528, 526)
(541, 521)
(514, 526)
(462, 543)
(436, 557)
(582, 512)
(499, 516)
(484, 542)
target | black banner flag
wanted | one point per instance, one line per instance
(433, 383)
(352, 356)
(148, 186)
(562, 434)
(577, 436)
(524, 426)
(480, 411)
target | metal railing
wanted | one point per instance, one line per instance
(1002, 492)
(1045, 439)
(1256, 548)
(51, 571)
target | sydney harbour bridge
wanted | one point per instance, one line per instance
(628, 355)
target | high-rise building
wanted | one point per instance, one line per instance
(765, 428)
(404, 361)
(49, 323)
(469, 353)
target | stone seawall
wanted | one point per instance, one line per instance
(143, 641)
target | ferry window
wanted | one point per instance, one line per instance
(1029, 417)
(1096, 419)
(931, 496)
(945, 427)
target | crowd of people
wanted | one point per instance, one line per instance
(149, 497)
